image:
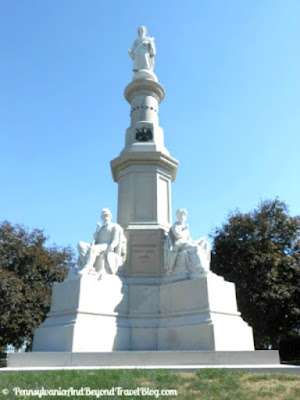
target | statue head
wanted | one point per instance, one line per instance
(181, 214)
(142, 31)
(106, 215)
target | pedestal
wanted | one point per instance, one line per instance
(132, 314)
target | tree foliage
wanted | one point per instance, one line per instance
(260, 252)
(27, 271)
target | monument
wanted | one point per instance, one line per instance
(143, 284)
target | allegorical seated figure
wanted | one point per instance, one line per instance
(183, 253)
(104, 254)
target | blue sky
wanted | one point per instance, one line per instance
(231, 115)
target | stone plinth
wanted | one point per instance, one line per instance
(154, 359)
(131, 314)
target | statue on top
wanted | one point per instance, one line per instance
(142, 51)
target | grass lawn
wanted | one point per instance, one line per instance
(204, 384)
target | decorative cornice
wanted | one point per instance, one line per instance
(144, 86)
(143, 158)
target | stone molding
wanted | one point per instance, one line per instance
(143, 158)
(144, 86)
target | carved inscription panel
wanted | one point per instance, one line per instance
(145, 253)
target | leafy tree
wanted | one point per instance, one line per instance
(260, 252)
(27, 271)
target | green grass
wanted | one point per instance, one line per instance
(204, 384)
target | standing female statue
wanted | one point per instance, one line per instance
(142, 51)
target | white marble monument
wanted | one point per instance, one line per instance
(153, 290)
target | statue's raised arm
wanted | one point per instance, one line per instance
(143, 52)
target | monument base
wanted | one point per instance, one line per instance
(116, 314)
(143, 359)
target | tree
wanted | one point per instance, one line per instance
(27, 271)
(260, 252)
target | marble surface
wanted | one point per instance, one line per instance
(114, 314)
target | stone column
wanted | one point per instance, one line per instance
(144, 172)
